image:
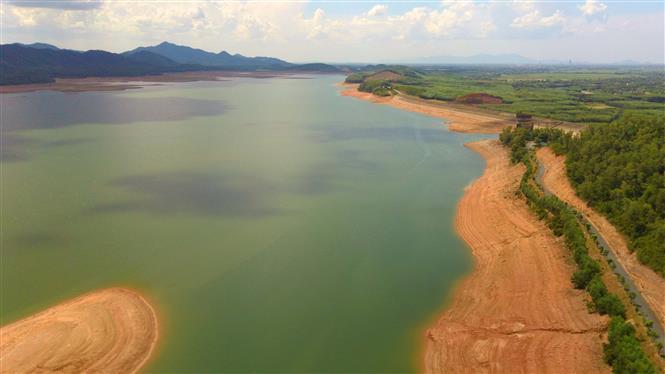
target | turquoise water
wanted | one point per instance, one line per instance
(276, 225)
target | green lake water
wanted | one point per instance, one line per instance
(276, 225)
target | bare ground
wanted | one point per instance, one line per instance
(517, 312)
(111, 330)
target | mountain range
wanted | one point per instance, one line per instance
(42, 63)
(188, 55)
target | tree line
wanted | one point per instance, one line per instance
(619, 169)
(623, 350)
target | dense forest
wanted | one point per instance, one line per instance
(21, 64)
(620, 170)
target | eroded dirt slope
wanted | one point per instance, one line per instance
(517, 311)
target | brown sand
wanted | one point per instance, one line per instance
(112, 330)
(460, 120)
(517, 311)
(650, 284)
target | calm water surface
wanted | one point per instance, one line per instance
(276, 225)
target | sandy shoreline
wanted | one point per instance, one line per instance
(465, 121)
(650, 284)
(517, 310)
(110, 330)
(461, 118)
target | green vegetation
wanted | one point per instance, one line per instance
(620, 170)
(623, 351)
(380, 80)
(376, 87)
(562, 220)
(572, 94)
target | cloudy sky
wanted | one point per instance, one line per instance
(351, 31)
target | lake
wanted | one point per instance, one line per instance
(274, 224)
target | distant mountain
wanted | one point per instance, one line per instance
(315, 68)
(39, 46)
(151, 58)
(223, 59)
(21, 64)
(40, 62)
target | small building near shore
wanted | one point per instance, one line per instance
(524, 120)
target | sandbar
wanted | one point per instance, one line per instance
(111, 330)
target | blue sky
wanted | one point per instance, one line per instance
(351, 31)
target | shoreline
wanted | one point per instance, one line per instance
(460, 117)
(459, 120)
(651, 286)
(113, 329)
(94, 84)
(495, 319)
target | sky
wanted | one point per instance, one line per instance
(594, 31)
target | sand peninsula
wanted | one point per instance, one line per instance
(517, 311)
(112, 330)
(650, 284)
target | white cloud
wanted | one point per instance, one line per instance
(316, 24)
(446, 21)
(591, 7)
(292, 30)
(534, 19)
(523, 5)
(377, 10)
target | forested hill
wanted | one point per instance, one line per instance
(25, 64)
(620, 170)
(187, 55)
(42, 63)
